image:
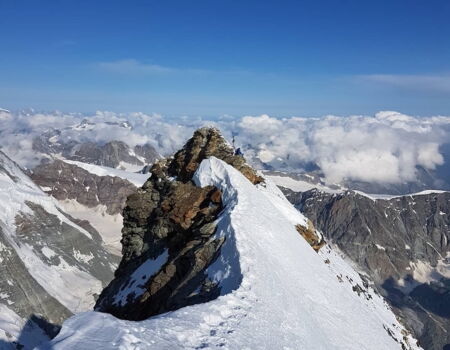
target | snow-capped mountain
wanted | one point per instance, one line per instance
(213, 249)
(401, 242)
(52, 265)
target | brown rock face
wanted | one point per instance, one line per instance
(171, 217)
(185, 202)
(68, 181)
(207, 142)
(310, 235)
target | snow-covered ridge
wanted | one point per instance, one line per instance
(135, 178)
(388, 197)
(303, 186)
(277, 293)
(299, 185)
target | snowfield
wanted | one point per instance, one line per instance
(109, 226)
(136, 179)
(277, 292)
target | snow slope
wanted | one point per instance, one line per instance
(60, 256)
(135, 178)
(56, 279)
(109, 226)
(277, 292)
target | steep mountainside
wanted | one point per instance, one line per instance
(402, 243)
(97, 195)
(52, 264)
(214, 250)
(69, 181)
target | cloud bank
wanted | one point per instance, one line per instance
(385, 148)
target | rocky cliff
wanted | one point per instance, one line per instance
(401, 243)
(169, 226)
(68, 181)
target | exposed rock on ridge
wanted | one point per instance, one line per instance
(169, 224)
(207, 142)
(311, 236)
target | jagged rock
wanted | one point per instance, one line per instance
(67, 181)
(204, 143)
(311, 236)
(385, 238)
(171, 222)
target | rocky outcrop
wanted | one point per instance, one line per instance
(67, 181)
(401, 243)
(169, 226)
(311, 235)
(205, 143)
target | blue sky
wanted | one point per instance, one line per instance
(214, 57)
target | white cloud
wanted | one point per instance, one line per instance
(132, 66)
(434, 83)
(135, 67)
(385, 148)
